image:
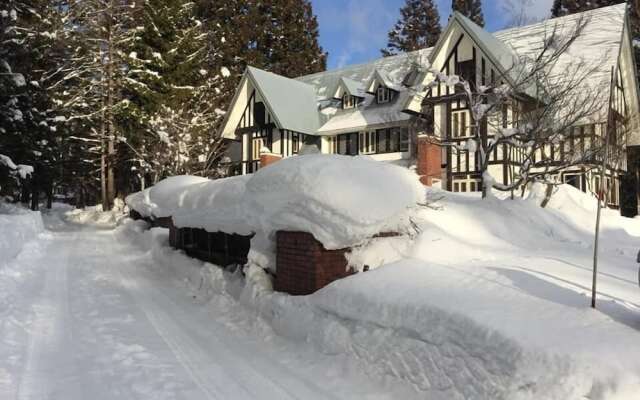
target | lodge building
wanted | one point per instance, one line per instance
(381, 109)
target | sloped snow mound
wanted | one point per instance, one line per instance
(17, 226)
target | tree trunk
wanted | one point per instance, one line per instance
(110, 125)
(547, 195)
(25, 194)
(49, 196)
(35, 198)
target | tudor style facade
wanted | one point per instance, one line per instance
(379, 109)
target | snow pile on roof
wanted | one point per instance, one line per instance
(341, 200)
(17, 226)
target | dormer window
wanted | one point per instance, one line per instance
(383, 94)
(348, 101)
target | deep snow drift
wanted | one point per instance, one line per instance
(18, 225)
(489, 301)
(342, 200)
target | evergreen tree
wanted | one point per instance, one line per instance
(566, 7)
(417, 28)
(101, 34)
(29, 63)
(472, 9)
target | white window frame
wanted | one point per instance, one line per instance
(383, 95)
(365, 148)
(348, 101)
(455, 128)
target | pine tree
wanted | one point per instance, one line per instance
(417, 28)
(566, 7)
(472, 9)
(29, 62)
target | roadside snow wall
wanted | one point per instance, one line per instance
(17, 226)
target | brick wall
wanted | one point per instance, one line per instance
(268, 158)
(303, 265)
(429, 165)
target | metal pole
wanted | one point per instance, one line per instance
(602, 191)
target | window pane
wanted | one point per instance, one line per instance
(463, 187)
(353, 144)
(394, 142)
(404, 139)
(454, 131)
(382, 140)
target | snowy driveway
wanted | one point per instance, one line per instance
(84, 317)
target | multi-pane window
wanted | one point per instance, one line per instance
(467, 185)
(460, 124)
(392, 140)
(348, 144)
(367, 142)
(348, 101)
(383, 94)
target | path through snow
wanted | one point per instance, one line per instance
(89, 319)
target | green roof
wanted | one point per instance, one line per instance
(292, 103)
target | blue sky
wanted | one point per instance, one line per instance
(354, 31)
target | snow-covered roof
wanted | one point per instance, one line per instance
(367, 115)
(598, 45)
(292, 102)
(305, 104)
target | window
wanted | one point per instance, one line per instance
(392, 140)
(467, 185)
(348, 101)
(383, 94)
(367, 142)
(574, 180)
(383, 140)
(256, 145)
(467, 71)
(348, 144)
(404, 139)
(460, 124)
(295, 143)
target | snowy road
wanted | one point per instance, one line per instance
(89, 319)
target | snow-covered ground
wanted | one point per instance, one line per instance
(87, 316)
(489, 300)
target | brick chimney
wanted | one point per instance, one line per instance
(429, 159)
(268, 158)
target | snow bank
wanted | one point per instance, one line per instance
(164, 198)
(17, 226)
(488, 302)
(341, 200)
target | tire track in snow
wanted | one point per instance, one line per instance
(49, 370)
(248, 374)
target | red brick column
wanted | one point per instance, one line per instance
(268, 159)
(429, 159)
(303, 265)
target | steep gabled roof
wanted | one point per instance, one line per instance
(292, 103)
(381, 77)
(354, 88)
